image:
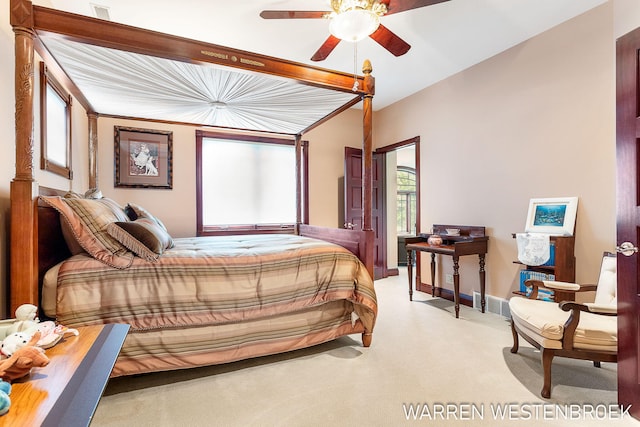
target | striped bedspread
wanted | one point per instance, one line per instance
(226, 283)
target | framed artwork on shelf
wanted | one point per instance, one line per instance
(555, 216)
(143, 158)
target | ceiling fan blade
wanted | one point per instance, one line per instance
(395, 6)
(326, 48)
(390, 41)
(293, 14)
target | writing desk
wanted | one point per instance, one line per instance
(471, 241)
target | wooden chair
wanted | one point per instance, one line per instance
(569, 329)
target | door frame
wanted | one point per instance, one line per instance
(354, 215)
(415, 141)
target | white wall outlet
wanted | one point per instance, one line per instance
(448, 278)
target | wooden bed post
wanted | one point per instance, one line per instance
(298, 147)
(24, 188)
(93, 150)
(367, 160)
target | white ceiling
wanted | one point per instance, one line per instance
(446, 38)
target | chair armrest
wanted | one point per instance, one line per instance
(563, 286)
(574, 318)
(589, 307)
(553, 284)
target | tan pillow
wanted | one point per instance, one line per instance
(135, 211)
(88, 220)
(144, 237)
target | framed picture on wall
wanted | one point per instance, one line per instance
(143, 158)
(556, 216)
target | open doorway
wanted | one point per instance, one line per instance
(402, 199)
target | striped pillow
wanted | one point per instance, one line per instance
(88, 220)
(144, 237)
(135, 211)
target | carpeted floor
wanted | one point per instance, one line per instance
(424, 368)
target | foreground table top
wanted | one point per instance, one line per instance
(66, 392)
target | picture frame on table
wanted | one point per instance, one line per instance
(143, 158)
(555, 216)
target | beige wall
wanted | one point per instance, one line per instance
(176, 207)
(534, 121)
(326, 168)
(626, 16)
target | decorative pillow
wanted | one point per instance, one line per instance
(144, 237)
(88, 220)
(134, 212)
(72, 243)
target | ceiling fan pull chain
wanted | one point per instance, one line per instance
(355, 67)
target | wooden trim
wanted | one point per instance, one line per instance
(92, 119)
(302, 183)
(393, 147)
(47, 79)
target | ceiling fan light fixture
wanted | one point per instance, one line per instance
(354, 20)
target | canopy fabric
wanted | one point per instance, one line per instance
(126, 84)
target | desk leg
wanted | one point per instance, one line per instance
(456, 285)
(410, 273)
(482, 282)
(433, 274)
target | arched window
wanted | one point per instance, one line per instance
(406, 205)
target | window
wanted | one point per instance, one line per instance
(406, 205)
(55, 125)
(246, 184)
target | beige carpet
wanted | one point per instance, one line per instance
(453, 372)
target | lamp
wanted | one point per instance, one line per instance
(353, 20)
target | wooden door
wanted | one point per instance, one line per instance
(628, 217)
(353, 203)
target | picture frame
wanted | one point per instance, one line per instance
(555, 216)
(143, 158)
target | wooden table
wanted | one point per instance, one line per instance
(471, 241)
(66, 392)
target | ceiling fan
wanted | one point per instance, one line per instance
(353, 20)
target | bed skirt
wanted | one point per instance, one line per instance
(177, 348)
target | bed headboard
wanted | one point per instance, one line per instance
(51, 244)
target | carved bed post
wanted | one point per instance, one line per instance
(367, 160)
(24, 188)
(93, 149)
(367, 145)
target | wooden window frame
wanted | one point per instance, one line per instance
(215, 230)
(48, 80)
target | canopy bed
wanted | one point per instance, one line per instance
(195, 327)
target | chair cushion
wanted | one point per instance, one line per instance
(544, 322)
(606, 293)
